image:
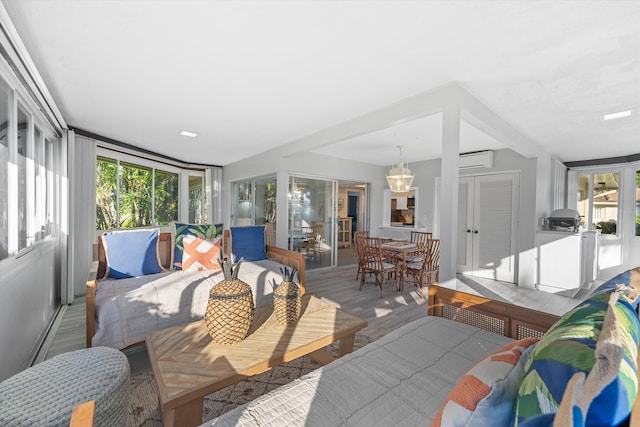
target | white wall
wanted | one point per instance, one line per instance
(426, 173)
(504, 161)
(310, 164)
(28, 304)
(509, 161)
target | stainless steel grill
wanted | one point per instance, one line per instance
(565, 219)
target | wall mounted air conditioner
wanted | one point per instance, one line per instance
(481, 159)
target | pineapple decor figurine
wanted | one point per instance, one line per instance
(287, 301)
(230, 310)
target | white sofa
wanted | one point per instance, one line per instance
(121, 312)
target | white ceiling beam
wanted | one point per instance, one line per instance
(483, 118)
(421, 105)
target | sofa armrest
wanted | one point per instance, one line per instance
(274, 253)
(92, 287)
(289, 258)
(494, 316)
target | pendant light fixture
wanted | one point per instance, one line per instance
(400, 176)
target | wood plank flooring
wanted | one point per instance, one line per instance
(339, 286)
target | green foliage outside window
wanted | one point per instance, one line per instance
(133, 198)
(166, 197)
(135, 207)
(606, 227)
(106, 193)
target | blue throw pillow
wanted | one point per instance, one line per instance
(132, 253)
(248, 243)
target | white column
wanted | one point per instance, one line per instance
(282, 203)
(449, 190)
(82, 211)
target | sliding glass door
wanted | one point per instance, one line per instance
(254, 203)
(312, 210)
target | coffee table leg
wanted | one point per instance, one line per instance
(322, 357)
(187, 415)
(346, 345)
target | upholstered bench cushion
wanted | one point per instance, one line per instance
(45, 394)
(400, 380)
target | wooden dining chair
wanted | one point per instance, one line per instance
(428, 266)
(311, 243)
(421, 238)
(318, 236)
(373, 263)
(357, 237)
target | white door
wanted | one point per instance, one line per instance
(487, 226)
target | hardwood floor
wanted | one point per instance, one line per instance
(340, 287)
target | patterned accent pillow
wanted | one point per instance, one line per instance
(485, 395)
(569, 348)
(179, 231)
(248, 243)
(582, 389)
(200, 254)
(132, 253)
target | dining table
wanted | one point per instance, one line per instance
(402, 252)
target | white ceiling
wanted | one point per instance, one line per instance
(252, 75)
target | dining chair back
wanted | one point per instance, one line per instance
(428, 266)
(311, 243)
(357, 237)
(420, 238)
(374, 263)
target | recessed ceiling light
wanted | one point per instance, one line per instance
(617, 115)
(187, 133)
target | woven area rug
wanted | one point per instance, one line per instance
(143, 409)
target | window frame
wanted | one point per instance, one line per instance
(573, 187)
(35, 193)
(183, 180)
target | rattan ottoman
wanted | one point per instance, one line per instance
(45, 394)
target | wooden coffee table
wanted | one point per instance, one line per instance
(188, 364)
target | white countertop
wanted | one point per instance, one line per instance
(400, 228)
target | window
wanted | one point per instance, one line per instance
(23, 137)
(598, 201)
(4, 160)
(196, 199)
(165, 197)
(28, 179)
(254, 201)
(106, 194)
(49, 206)
(39, 195)
(134, 203)
(130, 195)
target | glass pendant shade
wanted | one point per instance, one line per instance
(400, 177)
